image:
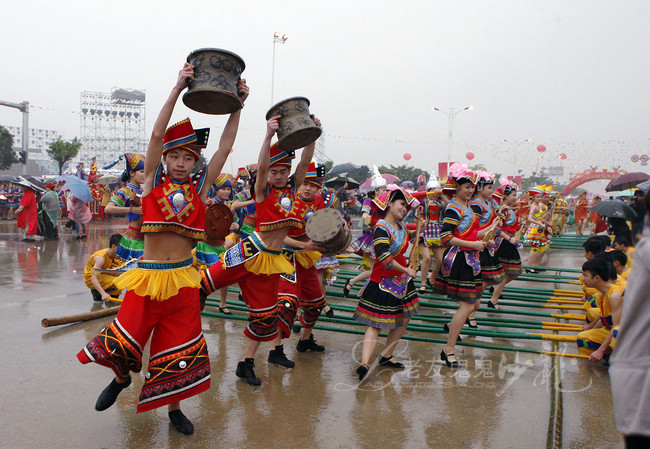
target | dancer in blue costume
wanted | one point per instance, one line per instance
(126, 200)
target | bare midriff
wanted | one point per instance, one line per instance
(166, 246)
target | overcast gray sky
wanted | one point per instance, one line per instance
(572, 75)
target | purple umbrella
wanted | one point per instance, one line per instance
(626, 181)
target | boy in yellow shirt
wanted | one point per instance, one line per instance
(101, 284)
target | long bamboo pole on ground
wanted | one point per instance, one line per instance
(58, 321)
(416, 338)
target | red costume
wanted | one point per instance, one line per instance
(581, 209)
(162, 300)
(27, 219)
(303, 288)
(253, 265)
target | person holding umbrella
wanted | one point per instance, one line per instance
(50, 212)
(26, 214)
(81, 215)
(638, 205)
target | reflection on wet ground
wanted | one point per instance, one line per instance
(497, 400)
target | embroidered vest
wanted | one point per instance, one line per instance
(174, 206)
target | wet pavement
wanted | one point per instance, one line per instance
(499, 399)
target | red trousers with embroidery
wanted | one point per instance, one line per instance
(178, 366)
(260, 292)
(306, 292)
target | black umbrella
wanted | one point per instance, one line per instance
(626, 181)
(343, 168)
(339, 181)
(616, 209)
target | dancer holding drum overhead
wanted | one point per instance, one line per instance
(388, 299)
(163, 291)
(257, 261)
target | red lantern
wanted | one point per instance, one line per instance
(407, 156)
(563, 156)
(469, 156)
(541, 148)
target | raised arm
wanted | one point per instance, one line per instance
(265, 159)
(154, 151)
(305, 158)
(227, 141)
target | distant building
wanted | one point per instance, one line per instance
(39, 141)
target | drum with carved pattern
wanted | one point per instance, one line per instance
(327, 227)
(214, 87)
(297, 129)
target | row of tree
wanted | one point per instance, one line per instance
(59, 151)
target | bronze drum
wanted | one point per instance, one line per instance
(214, 87)
(218, 219)
(297, 129)
(327, 228)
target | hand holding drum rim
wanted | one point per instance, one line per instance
(243, 90)
(316, 120)
(310, 245)
(328, 228)
(272, 125)
(185, 75)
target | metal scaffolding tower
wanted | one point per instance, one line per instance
(319, 151)
(112, 124)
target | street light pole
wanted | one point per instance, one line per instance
(277, 39)
(451, 114)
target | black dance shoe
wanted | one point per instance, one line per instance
(109, 395)
(180, 422)
(492, 305)
(446, 328)
(330, 312)
(277, 357)
(309, 345)
(469, 323)
(245, 370)
(224, 310)
(450, 363)
(388, 361)
(346, 288)
(362, 371)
